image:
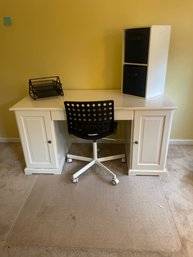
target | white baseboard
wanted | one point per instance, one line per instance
(122, 141)
(73, 140)
(171, 142)
(9, 140)
(181, 142)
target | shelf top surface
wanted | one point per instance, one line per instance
(121, 101)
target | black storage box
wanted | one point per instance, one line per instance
(45, 87)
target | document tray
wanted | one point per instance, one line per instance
(45, 87)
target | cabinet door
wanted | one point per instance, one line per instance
(35, 128)
(136, 45)
(150, 140)
(134, 79)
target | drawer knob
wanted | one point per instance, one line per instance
(49, 141)
(136, 142)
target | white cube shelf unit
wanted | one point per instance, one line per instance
(145, 56)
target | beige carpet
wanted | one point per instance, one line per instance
(94, 214)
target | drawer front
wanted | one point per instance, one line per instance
(119, 115)
(58, 115)
(124, 114)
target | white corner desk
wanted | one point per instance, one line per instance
(45, 141)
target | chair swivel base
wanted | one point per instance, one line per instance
(93, 161)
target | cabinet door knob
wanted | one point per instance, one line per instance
(49, 141)
(136, 142)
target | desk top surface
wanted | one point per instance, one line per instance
(121, 101)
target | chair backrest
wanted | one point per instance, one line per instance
(90, 120)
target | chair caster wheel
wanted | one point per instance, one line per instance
(115, 181)
(69, 160)
(74, 180)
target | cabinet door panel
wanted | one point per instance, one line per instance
(151, 135)
(150, 144)
(35, 134)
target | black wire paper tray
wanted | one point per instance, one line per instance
(45, 87)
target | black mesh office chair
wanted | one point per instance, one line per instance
(91, 121)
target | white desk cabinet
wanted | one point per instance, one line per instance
(150, 142)
(43, 130)
(39, 142)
